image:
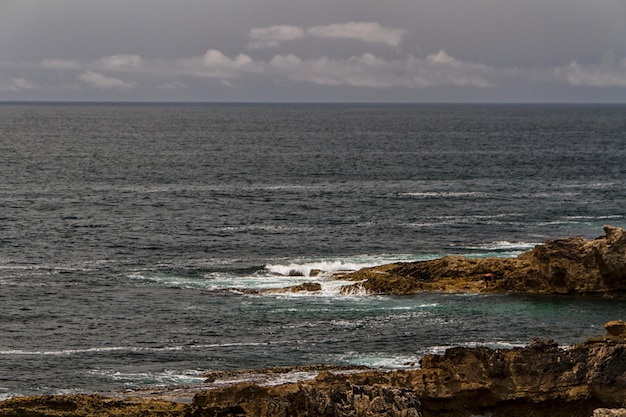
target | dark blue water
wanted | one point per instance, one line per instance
(123, 229)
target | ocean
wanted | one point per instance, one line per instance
(130, 232)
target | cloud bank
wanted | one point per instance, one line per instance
(396, 69)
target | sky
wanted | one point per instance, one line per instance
(313, 51)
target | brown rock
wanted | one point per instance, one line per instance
(616, 328)
(307, 286)
(312, 400)
(609, 412)
(88, 406)
(541, 380)
(563, 266)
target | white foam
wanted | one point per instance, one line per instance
(64, 352)
(279, 275)
(377, 360)
(165, 378)
(504, 245)
(445, 194)
(332, 266)
(263, 379)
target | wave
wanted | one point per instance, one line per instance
(444, 194)
(380, 360)
(305, 267)
(165, 378)
(133, 349)
(272, 275)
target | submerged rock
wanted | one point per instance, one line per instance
(560, 266)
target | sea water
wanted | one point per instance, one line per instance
(130, 234)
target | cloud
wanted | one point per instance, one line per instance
(216, 64)
(370, 32)
(370, 71)
(272, 36)
(20, 84)
(362, 31)
(607, 74)
(95, 79)
(120, 62)
(366, 70)
(363, 71)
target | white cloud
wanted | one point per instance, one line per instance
(606, 74)
(272, 36)
(369, 71)
(20, 84)
(120, 62)
(98, 80)
(215, 64)
(362, 31)
(370, 32)
(366, 70)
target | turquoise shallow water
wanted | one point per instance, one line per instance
(125, 228)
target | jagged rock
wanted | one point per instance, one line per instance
(616, 328)
(609, 412)
(541, 380)
(307, 286)
(315, 272)
(88, 406)
(322, 399)
(564, 266)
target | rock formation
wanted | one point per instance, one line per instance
(560, 266)
(540, 380)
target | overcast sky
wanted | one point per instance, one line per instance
(321, 50)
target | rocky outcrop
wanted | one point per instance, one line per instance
(609, 412)
(560, 266)
(332, 398)
(541, 380)
(88, 406)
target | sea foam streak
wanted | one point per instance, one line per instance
(165, 378)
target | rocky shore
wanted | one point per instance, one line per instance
(542, 379)
(561, 266)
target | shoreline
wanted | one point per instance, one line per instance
(566, 266)
(541, 379)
